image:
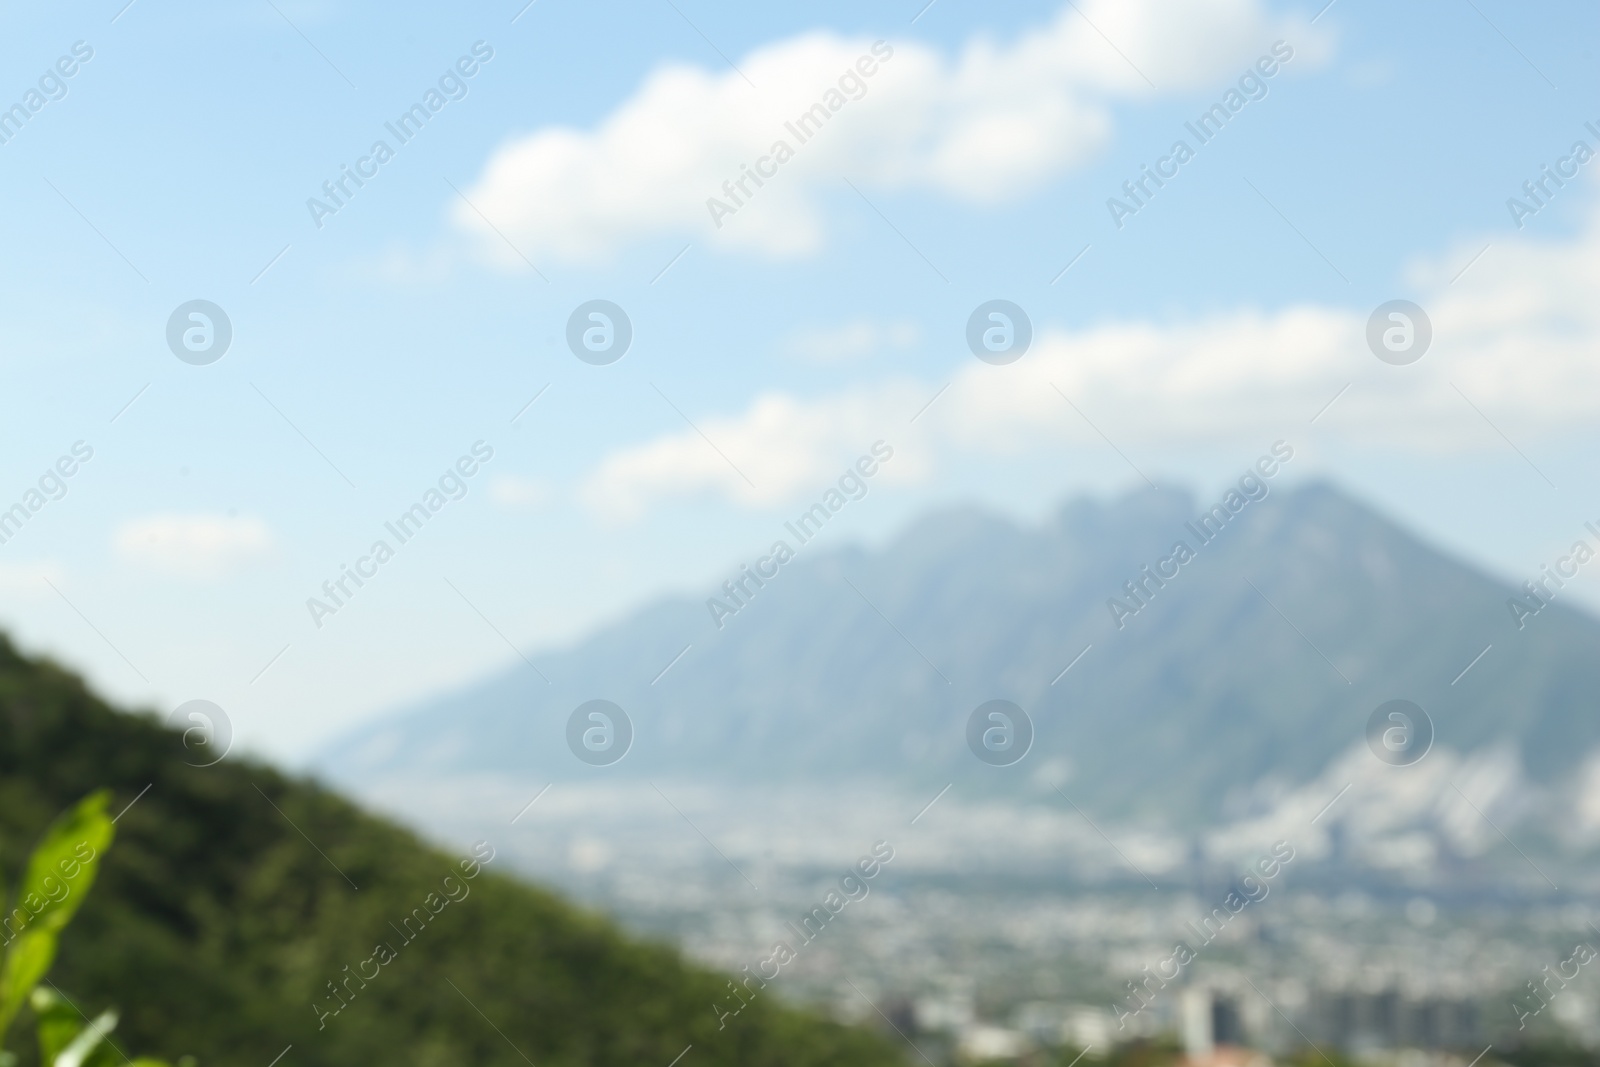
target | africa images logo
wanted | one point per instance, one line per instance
(199, 332)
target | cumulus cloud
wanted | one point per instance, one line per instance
(993, 123)
(1513, 342)
(193, 546)
(778, 449)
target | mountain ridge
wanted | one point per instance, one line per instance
(1263, 655)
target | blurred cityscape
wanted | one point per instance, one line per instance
(988, 972)
(992, 935)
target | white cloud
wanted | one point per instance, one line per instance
(993, 123)
(193, 546)
(784, 446)
(21, 579)
(1515, 334)
(400, 265)
(513, 492)
(856, 339)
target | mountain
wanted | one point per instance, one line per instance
(1249, 671)
(234, 897)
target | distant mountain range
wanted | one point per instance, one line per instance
(1196, 700)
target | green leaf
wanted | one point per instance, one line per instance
(66, 1039)
(56, 1022)
(105, 1054)
(58, 877)
(90, 1040)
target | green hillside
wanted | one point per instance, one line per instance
(217, 927)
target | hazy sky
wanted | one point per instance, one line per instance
(563, 153)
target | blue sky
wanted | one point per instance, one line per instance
(371, 352)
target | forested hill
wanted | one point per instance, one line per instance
(217, 925)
